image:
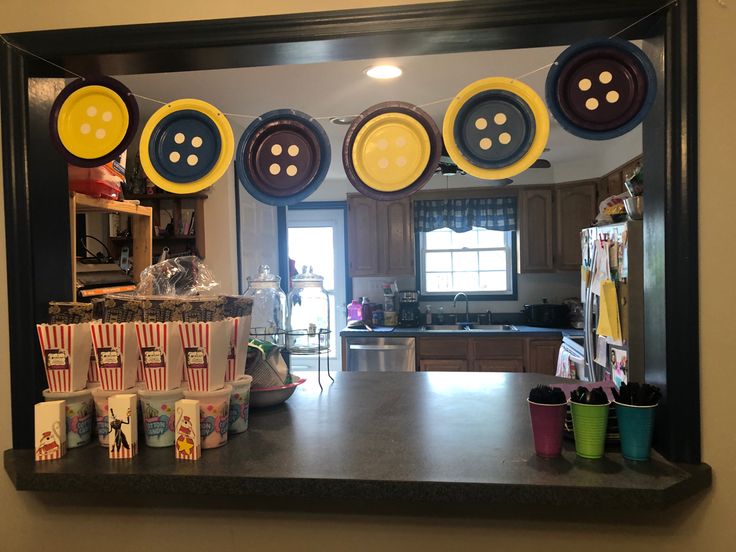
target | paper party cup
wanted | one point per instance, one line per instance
(80, 411)
(206, 346)
(239, 401)
(214, 415)
(237, 356)
(161, 354)
(158, 408)
(548, 421)
(589, 422)
(116, 351)
(65, 350)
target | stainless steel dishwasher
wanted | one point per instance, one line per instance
(380, 354)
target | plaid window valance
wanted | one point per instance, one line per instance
(461, 215)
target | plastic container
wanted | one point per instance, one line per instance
(308, 318)
(548, 422)
(268, 319)
(589, 423)
(80, 411)
(636, 426)
(214, 415)
(239, 403)
(355, 311)
(157, 408)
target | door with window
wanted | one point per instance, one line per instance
(316, 238)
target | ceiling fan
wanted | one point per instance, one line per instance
(447, 167)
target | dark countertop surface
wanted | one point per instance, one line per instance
(522, 331)
(406, 437)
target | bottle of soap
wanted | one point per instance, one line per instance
(428, 315)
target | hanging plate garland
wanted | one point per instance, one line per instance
(93, 120)
(186, 146)
(283, 157)
(391, 150)
(602, 88)
(495, 128)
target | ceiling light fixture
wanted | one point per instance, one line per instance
(383, 72)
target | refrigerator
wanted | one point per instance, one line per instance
(608, 359)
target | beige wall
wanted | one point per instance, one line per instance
(705, 523)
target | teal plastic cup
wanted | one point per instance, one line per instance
(589, 423)
(636, 426)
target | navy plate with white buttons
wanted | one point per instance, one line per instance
(600, 89)
(185, 146)
(282, 157)
(494, 129)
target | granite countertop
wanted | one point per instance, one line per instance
(522, 331)
(397, 436)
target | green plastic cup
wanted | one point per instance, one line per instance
(589, 423)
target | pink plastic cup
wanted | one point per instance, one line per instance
(548, 421)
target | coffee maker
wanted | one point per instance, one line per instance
(409, 315)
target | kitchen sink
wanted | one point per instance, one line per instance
(471, 327)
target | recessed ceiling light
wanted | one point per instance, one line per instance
(383, 72)
(342, 120)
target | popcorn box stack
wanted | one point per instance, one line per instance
(123, 424)
(65, 350)
(162, 356)
(206, 346)
(116, 351)
(188, 445)
(50, 427)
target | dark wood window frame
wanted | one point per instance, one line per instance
(37, 230)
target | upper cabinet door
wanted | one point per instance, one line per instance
(398, 254)
(536, 230)
(576, 209)
(363, 259)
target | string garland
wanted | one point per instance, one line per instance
(330, 117)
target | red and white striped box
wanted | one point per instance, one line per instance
(50, 426)
(63, 349)
(116, 351)
(205, 346)
(238, 353)
(161, 354)
(123, 424)
(187, 443)
(92, 376)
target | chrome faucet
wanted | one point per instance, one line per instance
(467, 307)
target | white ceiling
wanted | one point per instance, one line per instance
(341, 88)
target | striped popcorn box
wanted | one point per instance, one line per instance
(187, 443)
(116, 351)
(123, 424)
(63, 349)
(92, 376)
(50, 426)
(238, 354)
(205, 346)
(161, 354)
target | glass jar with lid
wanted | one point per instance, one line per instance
(308, 314)
(268, 321)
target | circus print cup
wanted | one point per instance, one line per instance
(161, 354)
(65, 351)
(214, 415)
(102, 420)
(158, 410)
(239, 401)
(80, 414)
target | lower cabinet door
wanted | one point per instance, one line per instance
(499, 365)
(449, 365)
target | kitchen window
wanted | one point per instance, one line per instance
(479, 262)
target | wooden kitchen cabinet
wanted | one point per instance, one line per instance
(499, 365)
(536, 228)
(447, 365)
(542, 356)
(613, 182)
(576, 209)
(380, 237)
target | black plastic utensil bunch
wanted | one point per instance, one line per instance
(638, 394)
(544, 394)
(583, 395)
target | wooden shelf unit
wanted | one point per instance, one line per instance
(141, 229)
